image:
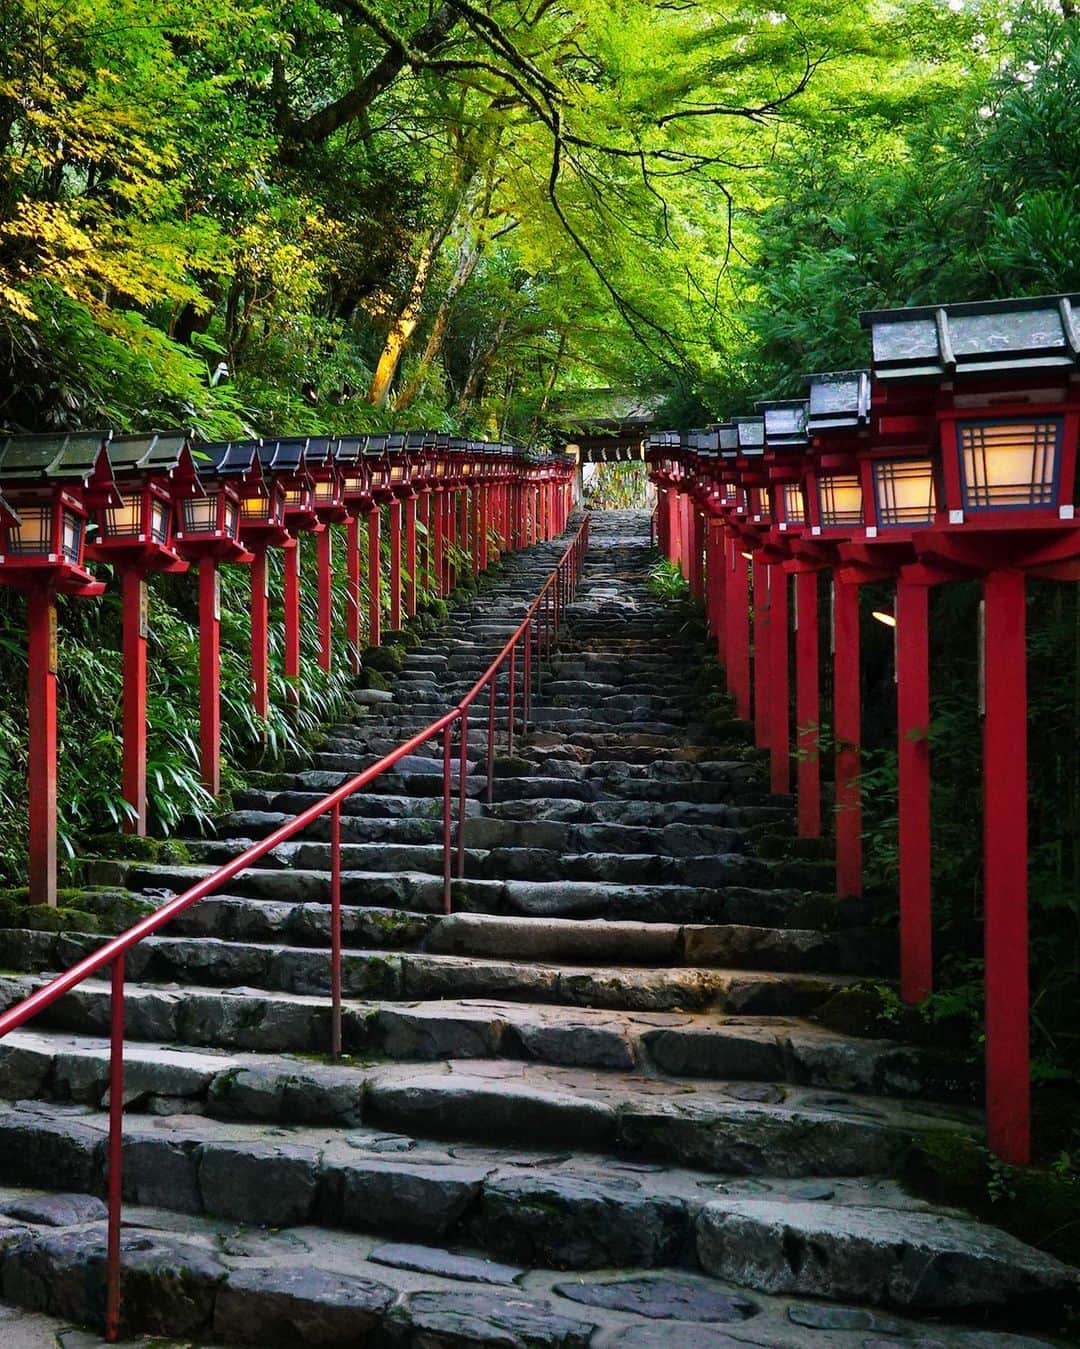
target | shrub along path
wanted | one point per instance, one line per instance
(593, 1107)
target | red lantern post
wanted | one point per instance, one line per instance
(1001, 379)
(49, 483)
(135, 533)
(207, 534)
(262, 527)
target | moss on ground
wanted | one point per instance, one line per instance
(103, 911)
(131, 847)
(1038, 1204)
(385, 659)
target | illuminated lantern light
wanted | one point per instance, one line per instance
(49, 485)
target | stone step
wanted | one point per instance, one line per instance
(510, 863)
(423, 893)
(486, 833)
(194, 1275)
(424, 975)
(684, 1045)
(718, 1128)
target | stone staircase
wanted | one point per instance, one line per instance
(591, 1107)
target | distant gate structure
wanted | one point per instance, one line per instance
(610, 428)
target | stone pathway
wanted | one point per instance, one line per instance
(590, 1108)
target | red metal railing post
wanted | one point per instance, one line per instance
(133, 587)
(510, 709)
(116, 1152)
(325, 554)
(463, 782)
(335, 932)
(493, 689)
(526, 692)
(446, 817)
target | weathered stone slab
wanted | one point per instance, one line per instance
(446, 1264)
(662, 1299)
(578, 1222)
(285, 1306)
(56, 1210)
(478, 1320)
(882, 1257)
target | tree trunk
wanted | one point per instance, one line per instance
(549, 388)
(481, 365)
(468, 256)
(402, 328)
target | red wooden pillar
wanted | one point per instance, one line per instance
(779, 692)
(1005, 867)
(210, 675)
(468, 528)
(847, 729)
(438, 545)
(718, 569)
(485, 523)
(42, 747)
(913, 749)
(352, 590)
(410, 556)
(325, 547)
(134, 601)
(260, 664)
(762, 650)
(374, 524)
(291, 599)
(395, 564)
(738, 628)
(697, 550)
(807, 704)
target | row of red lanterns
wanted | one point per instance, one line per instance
(164, 502)
(954, 456)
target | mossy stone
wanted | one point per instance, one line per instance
(385, 659)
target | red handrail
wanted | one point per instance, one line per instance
(540, 628)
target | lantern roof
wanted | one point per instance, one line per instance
(151, 452)
(785, 423)
(727, 437)
(319, 451)
(284, 456)
(70, 457)
(419, 440)
(376, 445)
(395, 442)
(348, 449)
(751, 434)
(839, 401)
(231, 459)
(983, 337)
